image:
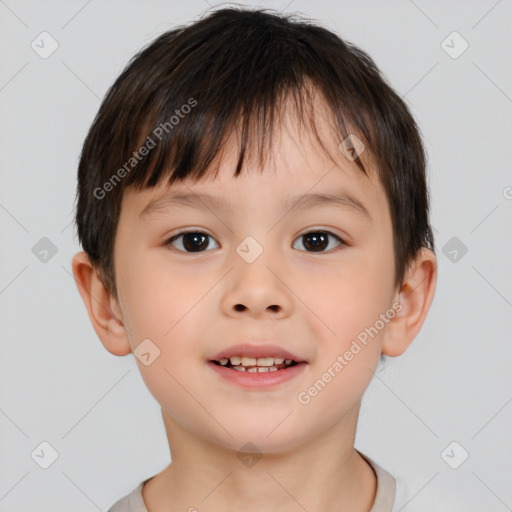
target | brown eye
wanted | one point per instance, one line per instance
(193, 241)
(318, 241)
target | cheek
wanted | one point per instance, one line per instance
(349, 301)
(157, 297)
(345, 360)
(349, 297)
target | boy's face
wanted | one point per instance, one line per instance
(313, 303)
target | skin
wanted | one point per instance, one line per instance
(312, 303)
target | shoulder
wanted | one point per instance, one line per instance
(403, 493)
(396, 493)
(386, 487)
(132, 502)
(410, 496)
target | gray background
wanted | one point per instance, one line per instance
(60, 386)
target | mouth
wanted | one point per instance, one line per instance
(261, 366)
(255, 365)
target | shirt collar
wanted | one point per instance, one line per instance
(386, 487)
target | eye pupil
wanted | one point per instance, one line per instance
(194, 238)
(319, 241)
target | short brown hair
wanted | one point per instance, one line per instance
(237, 65)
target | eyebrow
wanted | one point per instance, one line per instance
(339, 199)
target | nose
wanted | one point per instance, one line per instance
(257, 289)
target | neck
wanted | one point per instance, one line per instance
(325, 473)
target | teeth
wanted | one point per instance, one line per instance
(255, 369)
(252, 361)
(265, 361)
(253, 364)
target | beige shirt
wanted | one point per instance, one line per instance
(384, 499)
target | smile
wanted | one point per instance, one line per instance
(257, 373)
(253, 365)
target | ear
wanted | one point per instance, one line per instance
(415, 298)
(104, 311)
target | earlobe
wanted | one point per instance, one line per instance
(103, 310)
(415, 298)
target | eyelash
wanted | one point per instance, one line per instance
(316, 231)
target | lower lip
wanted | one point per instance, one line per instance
(254, 380)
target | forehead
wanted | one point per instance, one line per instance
(296, 165)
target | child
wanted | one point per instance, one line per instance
(258, 285)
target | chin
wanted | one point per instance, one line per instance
(262, 436)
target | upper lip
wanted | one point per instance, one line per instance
(261, 350)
